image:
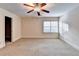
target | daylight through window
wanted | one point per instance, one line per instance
(50, 26)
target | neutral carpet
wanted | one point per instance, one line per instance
(38, 47)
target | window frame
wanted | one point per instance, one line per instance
(50, 27)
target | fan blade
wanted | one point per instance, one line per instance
(46, 11)
(30, 11)
(38, 13)
(43, 4)
(28, 5)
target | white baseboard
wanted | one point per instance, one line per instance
(70, 43)
(13, 40)
(38, 38)
(2, 45)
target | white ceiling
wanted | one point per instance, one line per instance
(56, 9)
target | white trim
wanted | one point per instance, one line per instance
(40, 37)
(70, 43)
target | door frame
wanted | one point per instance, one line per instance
(11, 28)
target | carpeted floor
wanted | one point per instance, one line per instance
(38, 47)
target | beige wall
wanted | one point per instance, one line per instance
(16, 26)
(23, 28)
(32, 27)
(72, 19)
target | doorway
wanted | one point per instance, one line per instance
(8, 27)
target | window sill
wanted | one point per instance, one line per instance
(50, 33)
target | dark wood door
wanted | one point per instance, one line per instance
(7, 29)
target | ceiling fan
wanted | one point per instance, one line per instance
(37, 7)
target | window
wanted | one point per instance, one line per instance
(65, 27)
(50, 26)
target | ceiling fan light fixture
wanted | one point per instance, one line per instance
(37, 9)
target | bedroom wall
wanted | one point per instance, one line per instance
(32, 27)
(16, 26)
(72, 35)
